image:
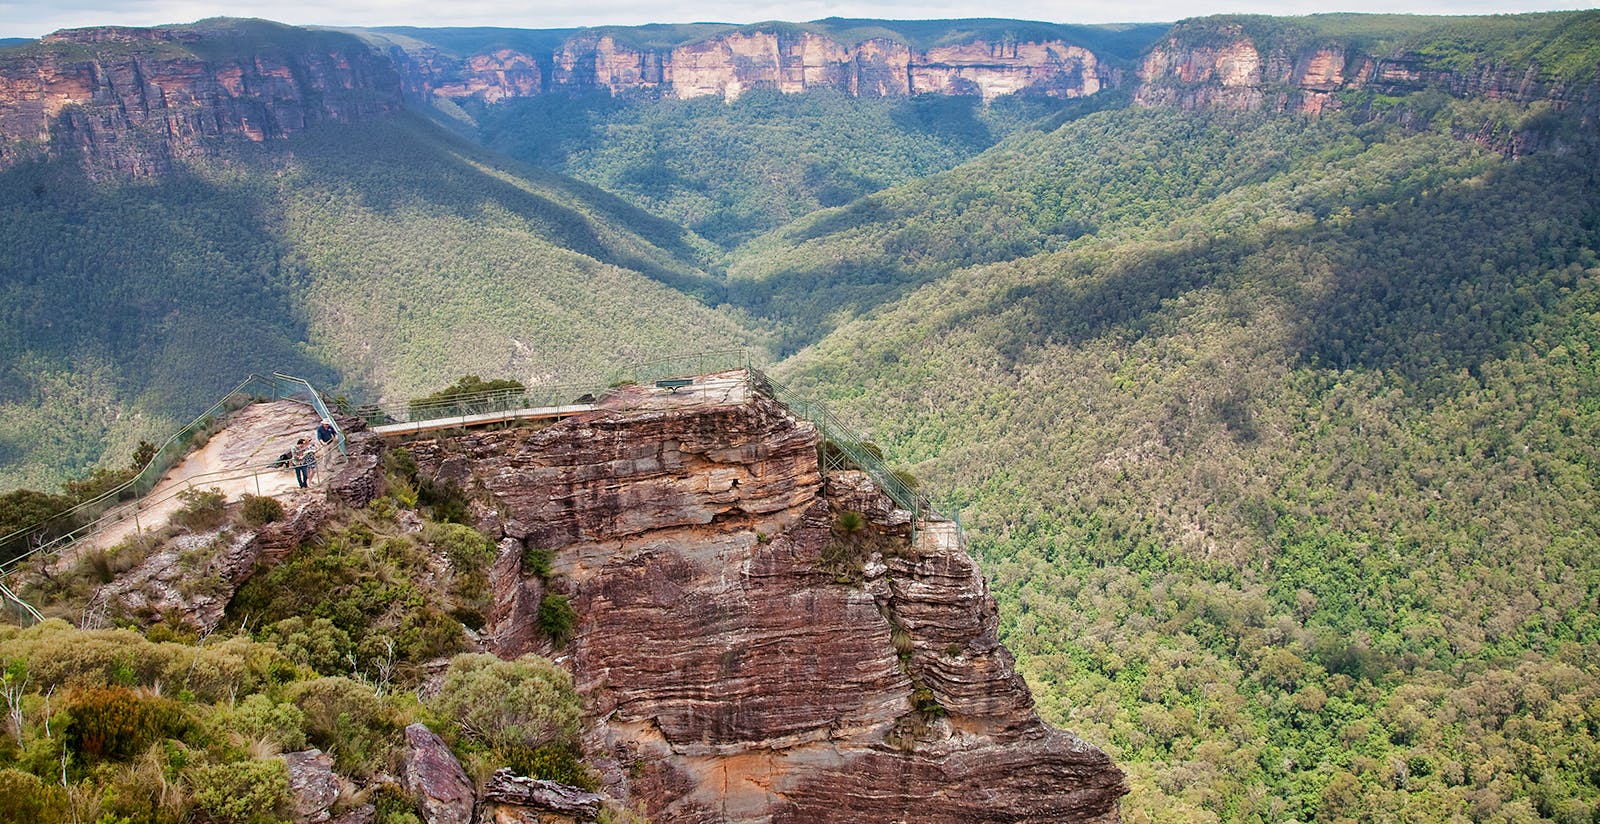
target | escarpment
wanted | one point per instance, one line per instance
(1212, 63)
(730, 64)
(128, 100)
(755, 639)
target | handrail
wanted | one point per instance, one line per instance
(317, 404)
(848, 447)
(165, 457)
(23, 607)
(134, 507)
(472, 403)
(84, 517)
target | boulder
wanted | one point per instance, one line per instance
(433, 775)
(312, 786)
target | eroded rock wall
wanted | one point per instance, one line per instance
(1221, 66)
(131, 100)
(727, 65)
(746, 651)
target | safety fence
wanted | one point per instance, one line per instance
(843, 447)
(126, 498)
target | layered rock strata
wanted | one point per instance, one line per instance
(728, 65)
(756, 641)
(132, 100)
(1223, 67)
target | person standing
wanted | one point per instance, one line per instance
(304, 457)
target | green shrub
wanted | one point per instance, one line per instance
(202, 509)
(258, 718)
(24, 799)
(446, 502)
(116, 723)
(470, 554)
(557, 620)
(440, 401)
(319, 643)
(244, 792)
(347, 720)
(537, 562)
(525, 712)
(260, 509)
(393, 805)
(848, 522)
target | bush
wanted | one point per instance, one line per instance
(24, 799)
(244, 792)
(557, 619)
(260, 509)
(468, 385)
(537, 562)
(347, 720)
(319, 643)
(202, 509)
(525, 712)
(116, 723)
(257, 718)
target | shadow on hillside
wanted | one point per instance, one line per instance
(403, 161)
(178, 283)
(1425, 285)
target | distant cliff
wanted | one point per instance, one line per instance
(781, 58)
(1311, 65)
(129, 100)
(757, 640)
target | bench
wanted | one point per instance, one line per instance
(674, 384)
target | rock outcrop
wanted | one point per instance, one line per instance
(1218, 64)
(312, 786)
(757, 641)
(513, 799)
(130, 101)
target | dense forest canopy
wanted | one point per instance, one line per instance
(1277, 434)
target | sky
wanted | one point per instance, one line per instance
(31, 18)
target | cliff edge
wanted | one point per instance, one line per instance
(758, 640)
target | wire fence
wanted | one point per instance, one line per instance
(843, 447)
(471, 403)
(86, 517)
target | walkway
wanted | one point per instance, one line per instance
(237, 460)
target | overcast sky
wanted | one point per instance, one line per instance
(31, 18)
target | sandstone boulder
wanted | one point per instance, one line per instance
(312, 786)
(433, 775)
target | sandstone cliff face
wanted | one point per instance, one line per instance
(601, 62)
(132, 100)
(1229, 70)
(745, 653)
(728, 65)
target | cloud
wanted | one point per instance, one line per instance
(31, 18)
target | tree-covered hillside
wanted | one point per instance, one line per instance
(378, 261)
(731, 171)
(1281, 459)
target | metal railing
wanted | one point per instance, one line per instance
(280, 379)
(65, 527)
(843, 447)
(699, 363)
